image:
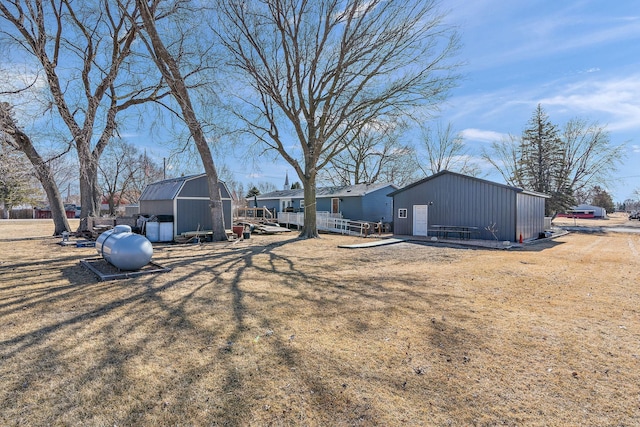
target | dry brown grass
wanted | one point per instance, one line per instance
(276, 331)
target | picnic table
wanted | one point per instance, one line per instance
(445, 231)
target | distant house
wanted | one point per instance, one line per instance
(585, 211)
(185, 202)
(452, 199)
(364, 202)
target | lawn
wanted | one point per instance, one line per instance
(279, 331)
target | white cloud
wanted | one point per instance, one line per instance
(616, 101)
(482, 135)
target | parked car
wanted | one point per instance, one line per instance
(634, 215)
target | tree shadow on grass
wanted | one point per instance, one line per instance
(212, 342)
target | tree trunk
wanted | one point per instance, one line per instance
(45, 176)
(89, 189)
(215, 201)
(170, 70)
(310, 227)
(43, 172)
(58, 212)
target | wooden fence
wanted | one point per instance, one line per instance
(18, 213)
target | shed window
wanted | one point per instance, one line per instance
(402, 213)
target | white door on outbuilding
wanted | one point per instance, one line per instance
(420, 215)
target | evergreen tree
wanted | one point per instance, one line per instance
(602, 198)
(253, 191)
(541, 162)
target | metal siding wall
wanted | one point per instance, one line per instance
(477, 204)
(198, 187)
(190, 213)
(156, 207)
(269, 204)
(377, 205)
(405, 200)
(228, 218)
(530, 216)
(460, 201)
(351, 208)
(323, 204)
(224, 192)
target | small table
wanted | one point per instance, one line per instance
(463, 231)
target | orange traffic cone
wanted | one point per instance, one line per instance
(520, 238)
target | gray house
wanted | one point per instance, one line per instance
(186, 199)
(364, 202)
(452, 199)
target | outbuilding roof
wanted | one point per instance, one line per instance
(446, 172)
(167, 189)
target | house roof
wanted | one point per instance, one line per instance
(446, 172)
(163, 190)
(586, 207)
(356, 190)
(280, 194)
(167, 189)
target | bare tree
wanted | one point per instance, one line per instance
(14, 136)
(169, 67)
(317, 72)
(145, 171)
(446, 151)
(504, 157)
(561, 163)
(589, 156)
(118, 167)
(83, 49)
(18, 184)
(375, 154)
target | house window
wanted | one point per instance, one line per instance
(402, 213)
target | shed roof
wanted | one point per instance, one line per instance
(168, 189)
(446, 172)
(356, 190)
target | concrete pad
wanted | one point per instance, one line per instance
(371, 244)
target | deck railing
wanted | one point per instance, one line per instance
(326, 221)
(260, 214)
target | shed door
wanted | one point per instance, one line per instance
(420, 214)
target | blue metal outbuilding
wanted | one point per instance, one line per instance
(452, 199)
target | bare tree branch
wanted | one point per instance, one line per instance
(324, 69)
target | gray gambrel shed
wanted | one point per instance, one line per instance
(187, 200)
(452, 199)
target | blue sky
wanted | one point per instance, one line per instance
(576, 58)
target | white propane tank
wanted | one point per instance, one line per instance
(124, 249)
